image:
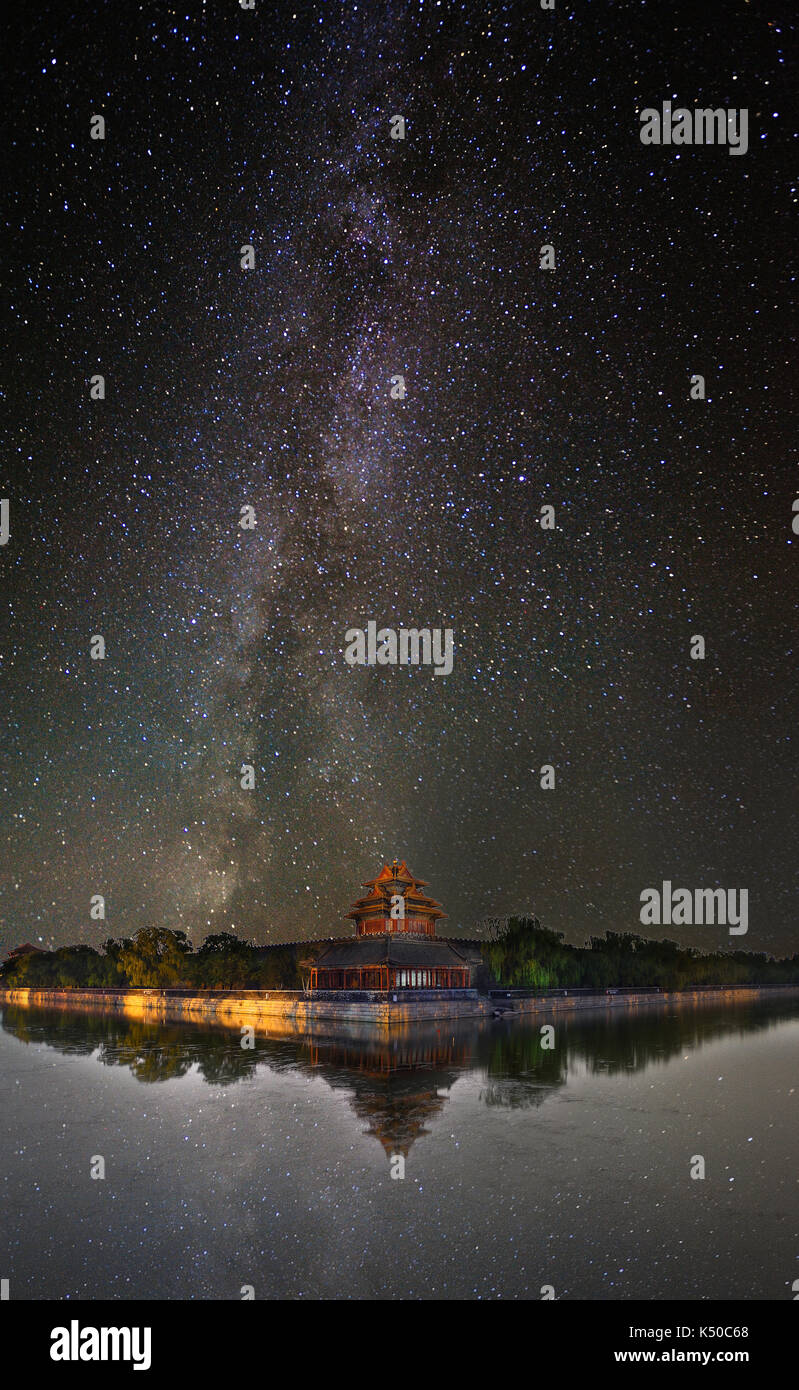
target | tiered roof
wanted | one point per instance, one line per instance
(397, 879)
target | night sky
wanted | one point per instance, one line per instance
(271, 388)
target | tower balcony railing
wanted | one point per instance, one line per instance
(413, 926)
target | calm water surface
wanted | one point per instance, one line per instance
(523, 1167)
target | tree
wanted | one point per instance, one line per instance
(225, 962)
(157, 958)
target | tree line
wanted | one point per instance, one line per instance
(526, 954)
(523, 953)
(162, 959)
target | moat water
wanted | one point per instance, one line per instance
(524, 1167)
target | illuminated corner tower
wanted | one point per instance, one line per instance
(395, 945)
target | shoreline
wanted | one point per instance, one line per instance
(305, 1012)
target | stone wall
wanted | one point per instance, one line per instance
(328, 1007)
(259, 1006)
(524, 1003)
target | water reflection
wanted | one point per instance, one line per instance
(399, 1084)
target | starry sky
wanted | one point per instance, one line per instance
(270, 388)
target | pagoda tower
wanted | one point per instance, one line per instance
(396, 903)
(395, 946)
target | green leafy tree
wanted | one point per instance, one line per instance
(225, 962)
(157, 958)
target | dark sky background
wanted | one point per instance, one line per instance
(271, 388)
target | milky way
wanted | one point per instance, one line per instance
(271, 388)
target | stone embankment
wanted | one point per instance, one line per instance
(306, 1012)
(261, 1006)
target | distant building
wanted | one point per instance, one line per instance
(26, 950)
(395, 944)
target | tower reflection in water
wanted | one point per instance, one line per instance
(398, 1084)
